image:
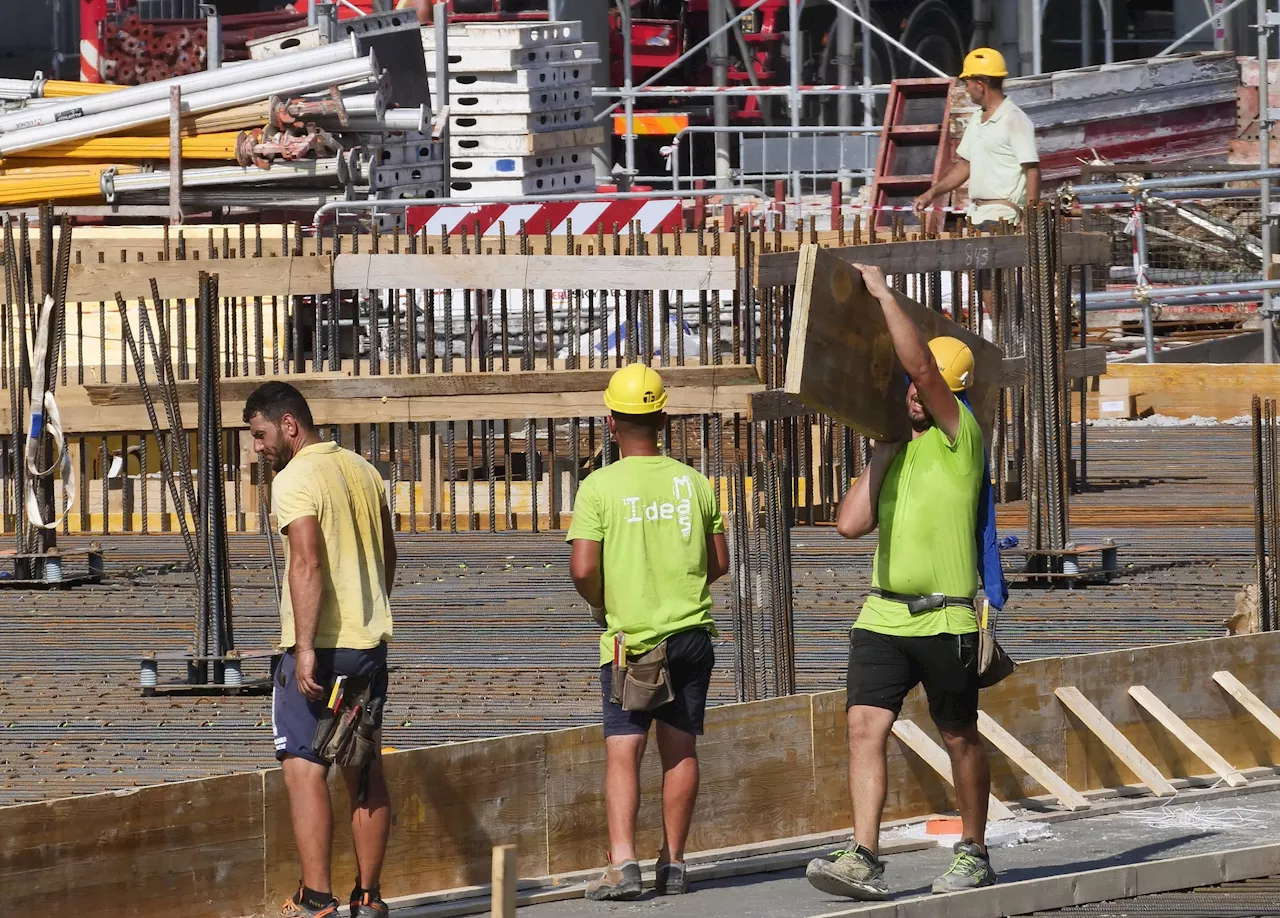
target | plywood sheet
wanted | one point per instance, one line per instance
(757, 784)
(133, 854)
(842, 362)
(451, 804)
(1183, 390)
(535, 272)
(240, 277)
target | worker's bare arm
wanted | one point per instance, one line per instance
(717, 557)
(389, 555)
(306, 585)
(914, 355)
(1032, 172)
(856, 515)
(956, 176)
(585, 569)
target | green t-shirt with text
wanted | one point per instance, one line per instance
(927, 513)
(653, 515)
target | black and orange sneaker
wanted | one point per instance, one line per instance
(367, 904)
(301, 906)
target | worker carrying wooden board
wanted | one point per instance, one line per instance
(925, 494)
(648, 542)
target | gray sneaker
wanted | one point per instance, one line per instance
(970, 869)
(855, 872)
(619, 881)
(671, 878)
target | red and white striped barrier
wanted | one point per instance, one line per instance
(586, 216)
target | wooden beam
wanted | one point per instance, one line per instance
(775, 404)
(1183, 390)
(432, 385)
(535, 272)
(1185, 735)
(1075, 702)
(1249, 701)
(936, 758)
(1027, 760)
(503, 900)
(778, 269)
(239, 277)
(842, 362)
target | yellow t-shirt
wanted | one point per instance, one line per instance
(344, 493)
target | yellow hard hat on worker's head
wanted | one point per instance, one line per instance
(984, 62)
(955, 362)
(636, 389)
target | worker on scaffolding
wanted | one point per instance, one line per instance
(997, 155)
(918, 625)
(647, 543)
(330, 686)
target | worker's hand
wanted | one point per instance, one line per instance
(305, 674)
(598, 616)
(873, 277)
(922, 202)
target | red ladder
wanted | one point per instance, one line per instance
(915, 149)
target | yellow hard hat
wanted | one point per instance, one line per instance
(636, 389)
(955, 362)
(984, 62)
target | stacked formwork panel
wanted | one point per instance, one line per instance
(520, 111)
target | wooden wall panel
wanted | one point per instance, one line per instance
(134, 854)
(1183, 390)
(757, 784)
(451, 804)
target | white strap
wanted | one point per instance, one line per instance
(45, 416)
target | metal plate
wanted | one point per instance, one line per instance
(560, 119)
(500, 60)
(550, 183)
(393, 39)
(472, 167)
(507, 35)
(517, 80)
(521, 103)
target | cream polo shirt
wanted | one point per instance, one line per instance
(996, 150)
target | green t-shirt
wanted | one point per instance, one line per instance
(653, 515)
(927, 513)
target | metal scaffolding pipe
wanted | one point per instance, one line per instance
(793, 103)
(1208, 22)
(1156, 293)
(816, 89)
(719, 59)
(844, 69)
(868, 24)
(110, 122)
(66, 110)
(1265, 173)
(115, 185)
(1186, 195)
(1225, 300)
(1180, 181)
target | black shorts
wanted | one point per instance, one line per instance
(985, 276)
(691, 658)
(294, 716)
(883, 668)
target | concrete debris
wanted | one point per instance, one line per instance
(1160, 420)
(1246, 619)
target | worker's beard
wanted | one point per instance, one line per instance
(283, 453)
(919, 415)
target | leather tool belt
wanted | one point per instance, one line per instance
(916, 603)
(1017, 209)
(345, 733)
(644, 683)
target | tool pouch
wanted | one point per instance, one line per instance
(646, 685)
(337, 738)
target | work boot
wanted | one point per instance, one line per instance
(619, 881)
(298, 906)
(671, 878)
(970, 869)
(367, 904)
(855, 872)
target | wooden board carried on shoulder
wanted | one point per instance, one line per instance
(842, 361)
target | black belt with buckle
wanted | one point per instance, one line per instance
(917, 603)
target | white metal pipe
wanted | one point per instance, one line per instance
(281, 171)
(868, 106)
(213, 36)
(1264, 163)
(629, 97)
(394, 119)
(1108, 33)
(440, 24)
(1037, 39)
(110, 122)
(868, 24)
(1180, 181)
(1086, 33)
(793, 11)
(816, 89)
(243, 72)
(1194, 32)
(716, 10)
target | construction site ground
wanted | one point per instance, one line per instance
(1197, 823)
(491, 638)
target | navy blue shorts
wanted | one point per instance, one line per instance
(690, 658)
(294, 717)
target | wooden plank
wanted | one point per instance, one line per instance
(775, 404)
(504, 882)
(345, 386)
(1025, 759)
(969, 253)
(936, 758)
(131, 852)
(1079, 363)
(535, 272)
(1114, 740)
(757, 784)
(1185, 735)
(1183, 390)
(1249, 701)
(451, 804)
(240, 277)
(842, 362)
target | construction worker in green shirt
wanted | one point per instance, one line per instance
(918, 625)
(647, 543)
